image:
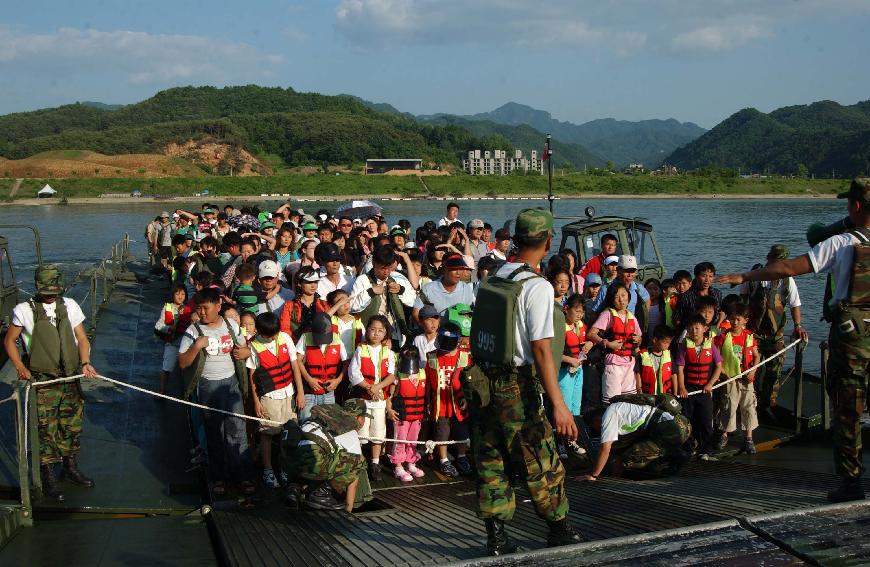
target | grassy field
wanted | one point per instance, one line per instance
(454, 186)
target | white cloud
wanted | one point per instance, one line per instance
(722, 36)
(141, 58)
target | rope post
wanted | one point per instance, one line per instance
(799, 387)
(826, 402)
(33, 438)
(23, 462)
(93, 302)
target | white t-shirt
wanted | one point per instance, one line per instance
(219, 360)
(22, 316)
(345, 331)
(325, 287)
(787, 290)
(424, 346)
(534, 313)
(623, 418)
(443, 300)
(444, 221)
(834, 256)
(355, 370)
(253, 363)
(348, 441)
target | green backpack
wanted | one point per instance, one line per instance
(495, 309)
(334, 421)
(665, 402)
(850, 328)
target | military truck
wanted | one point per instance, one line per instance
(8, 285)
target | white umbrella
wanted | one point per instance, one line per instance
(359, 209)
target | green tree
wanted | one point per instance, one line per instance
(802, 171)
(609, 165)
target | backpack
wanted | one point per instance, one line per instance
(664, 402)
(850, 328)
(493, 328)
(333, 421)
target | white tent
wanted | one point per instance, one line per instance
(46, 191)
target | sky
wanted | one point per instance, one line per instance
(693, 60)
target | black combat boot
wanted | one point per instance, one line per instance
(849, 489)
(322, 498)
(49, 483)
(497, 540)
(562, 533)
(73, 474)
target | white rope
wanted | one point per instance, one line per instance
(10, 398)
(748, 370)
(430, 444)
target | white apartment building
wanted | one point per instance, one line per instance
(497, 162)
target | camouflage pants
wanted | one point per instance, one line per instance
(60, 410)
(513, 428)
(313, 462)
(767, 377)
(662, 440)
(847, 386)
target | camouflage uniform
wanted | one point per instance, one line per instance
(60, 411)
(659, 441)
(514, 422)
(847, 386)
(312, 462)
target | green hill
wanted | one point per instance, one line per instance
(818, 139)
(301, 128)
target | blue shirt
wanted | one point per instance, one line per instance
(634, 291)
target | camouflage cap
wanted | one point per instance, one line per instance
(534, 222)
(778, 252)
(859, 190)
(356, 407)
(49, 280)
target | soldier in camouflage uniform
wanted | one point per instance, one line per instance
(843, 251)
(512, 428)
(327, 453)
(644, 436)
(55, 345)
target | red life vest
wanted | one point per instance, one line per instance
(275, 371)
(367, 366)
(575, 336)
(409, 397)
(291, 316)
(622, 331)
(699, 366)
(322, 366)
(447, 397)
(652, 382)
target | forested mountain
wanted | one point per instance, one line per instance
(624, 142)
(301, 128)
(819, 138)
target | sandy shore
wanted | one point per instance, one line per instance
(326, 198)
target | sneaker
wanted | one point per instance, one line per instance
(749, 447)
(374, 472)
(322, 498)
(722, 442)
(400, 473)
(576, 449)
(463, 465)
(283, 478)
(448, 469)
(269, 480)
(415, 472)
(707, 457)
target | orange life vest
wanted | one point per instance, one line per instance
(575, 336)
(652, 382)
(367, 366)
(622, 331)
(275, 371)
(699, 366)
(447, 399)
(409, 397)
(321, 365)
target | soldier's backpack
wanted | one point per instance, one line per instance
(334, 421)
(851, 318)
(492, 327)
(665, 402)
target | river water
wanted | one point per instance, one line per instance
(733, 234)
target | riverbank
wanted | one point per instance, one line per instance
(393, 197)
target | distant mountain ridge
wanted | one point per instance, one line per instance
(821, 138)
(622, 141)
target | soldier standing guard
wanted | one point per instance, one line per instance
(512, 341)
(846, 257)
(55, 345)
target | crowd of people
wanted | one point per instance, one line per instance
(295, 310)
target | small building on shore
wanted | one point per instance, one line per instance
(497, 162)
(46, 192)
(403, 165)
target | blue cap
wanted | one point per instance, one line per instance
(593, 279)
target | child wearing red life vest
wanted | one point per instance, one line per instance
(699, 365)
(739, 353)
(277, 383)
(618, 331)
(372, 371)
(653, 368)
(447, 407)
(169, 329)
(322, 360)
(576, 348)
(347, 326)
(406, 407)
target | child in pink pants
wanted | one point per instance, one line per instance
(405, 407)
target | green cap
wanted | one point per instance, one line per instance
(778, 252)
(49, 280)
(267, 224)
(534, 222)
(309, 226)
(460, 314)
(209, 210)
(263, 217)
(859, 190)
(356, 407)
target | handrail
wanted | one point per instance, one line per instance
(35, 236)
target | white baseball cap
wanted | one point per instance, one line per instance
(627, 262)
(611, 260)
(269, 269)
